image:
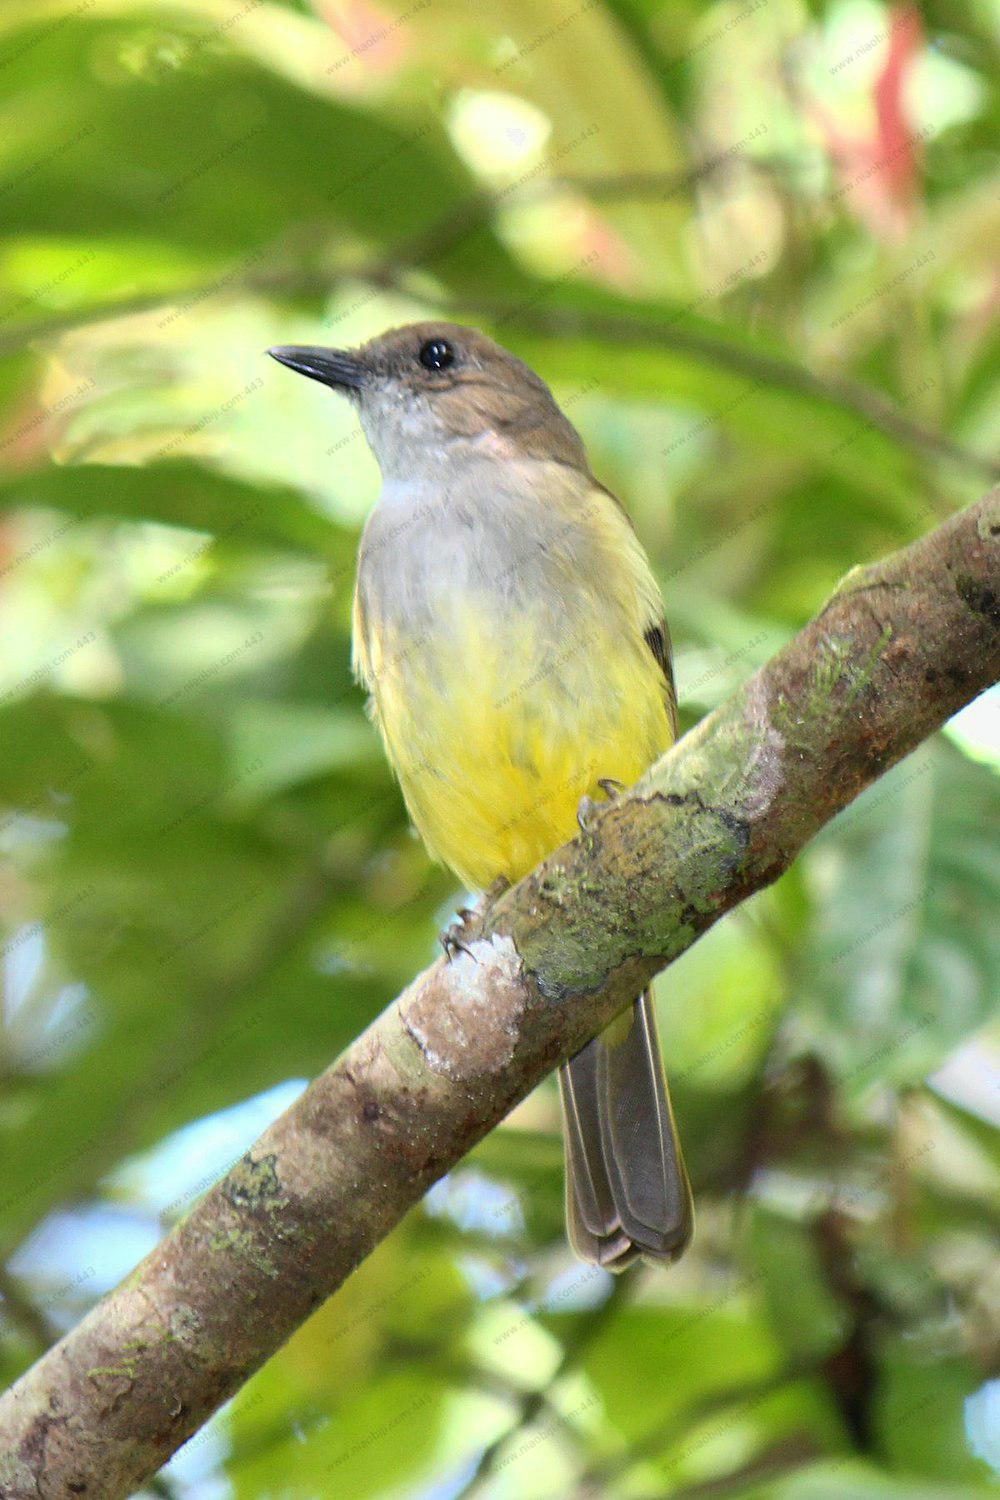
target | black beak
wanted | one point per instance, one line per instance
(337, 367)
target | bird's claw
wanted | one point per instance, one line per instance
(587, 806)
(452, 941)
(470, 922)
(585, 810)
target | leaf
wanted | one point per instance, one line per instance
(803, 1311)
(920, 1417)
(220, 151)
(180, 494)
(626, 126)
(385, 1435)
(708, 1346)
(905, 960)
(202, 939)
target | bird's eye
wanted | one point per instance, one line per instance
(436, 354)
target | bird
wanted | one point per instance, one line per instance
(510, 632)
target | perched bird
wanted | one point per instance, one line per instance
(509, 629)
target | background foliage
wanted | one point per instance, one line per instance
(751, 245)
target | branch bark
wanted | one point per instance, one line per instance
(899, 648)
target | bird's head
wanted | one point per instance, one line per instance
(432, 393)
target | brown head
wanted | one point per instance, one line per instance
(434, 392)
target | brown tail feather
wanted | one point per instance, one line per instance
(627, 1191)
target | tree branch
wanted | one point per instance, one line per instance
(766, 369)
(388, 273)
(901, 646)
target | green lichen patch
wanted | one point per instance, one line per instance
(838, 677)
(613, 917)
(254, 1184)
(126, 1367)
(245, 1246)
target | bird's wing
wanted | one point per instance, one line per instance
(657, 638)
(656, 632)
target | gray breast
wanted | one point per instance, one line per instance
(426, 555)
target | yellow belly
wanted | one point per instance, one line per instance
(494, 750)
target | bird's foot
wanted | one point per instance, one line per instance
(587, 806)
(470, 921)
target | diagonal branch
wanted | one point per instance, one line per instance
(899, 648)
(388, 272)
(766, 369)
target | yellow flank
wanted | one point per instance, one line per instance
(497, 727)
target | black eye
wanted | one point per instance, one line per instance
(436, 354)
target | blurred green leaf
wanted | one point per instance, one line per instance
(217, 150)
(800, 1303)
(919, 1416)
(181, 494)
(906, 959)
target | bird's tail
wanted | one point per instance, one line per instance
(627, 1190)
